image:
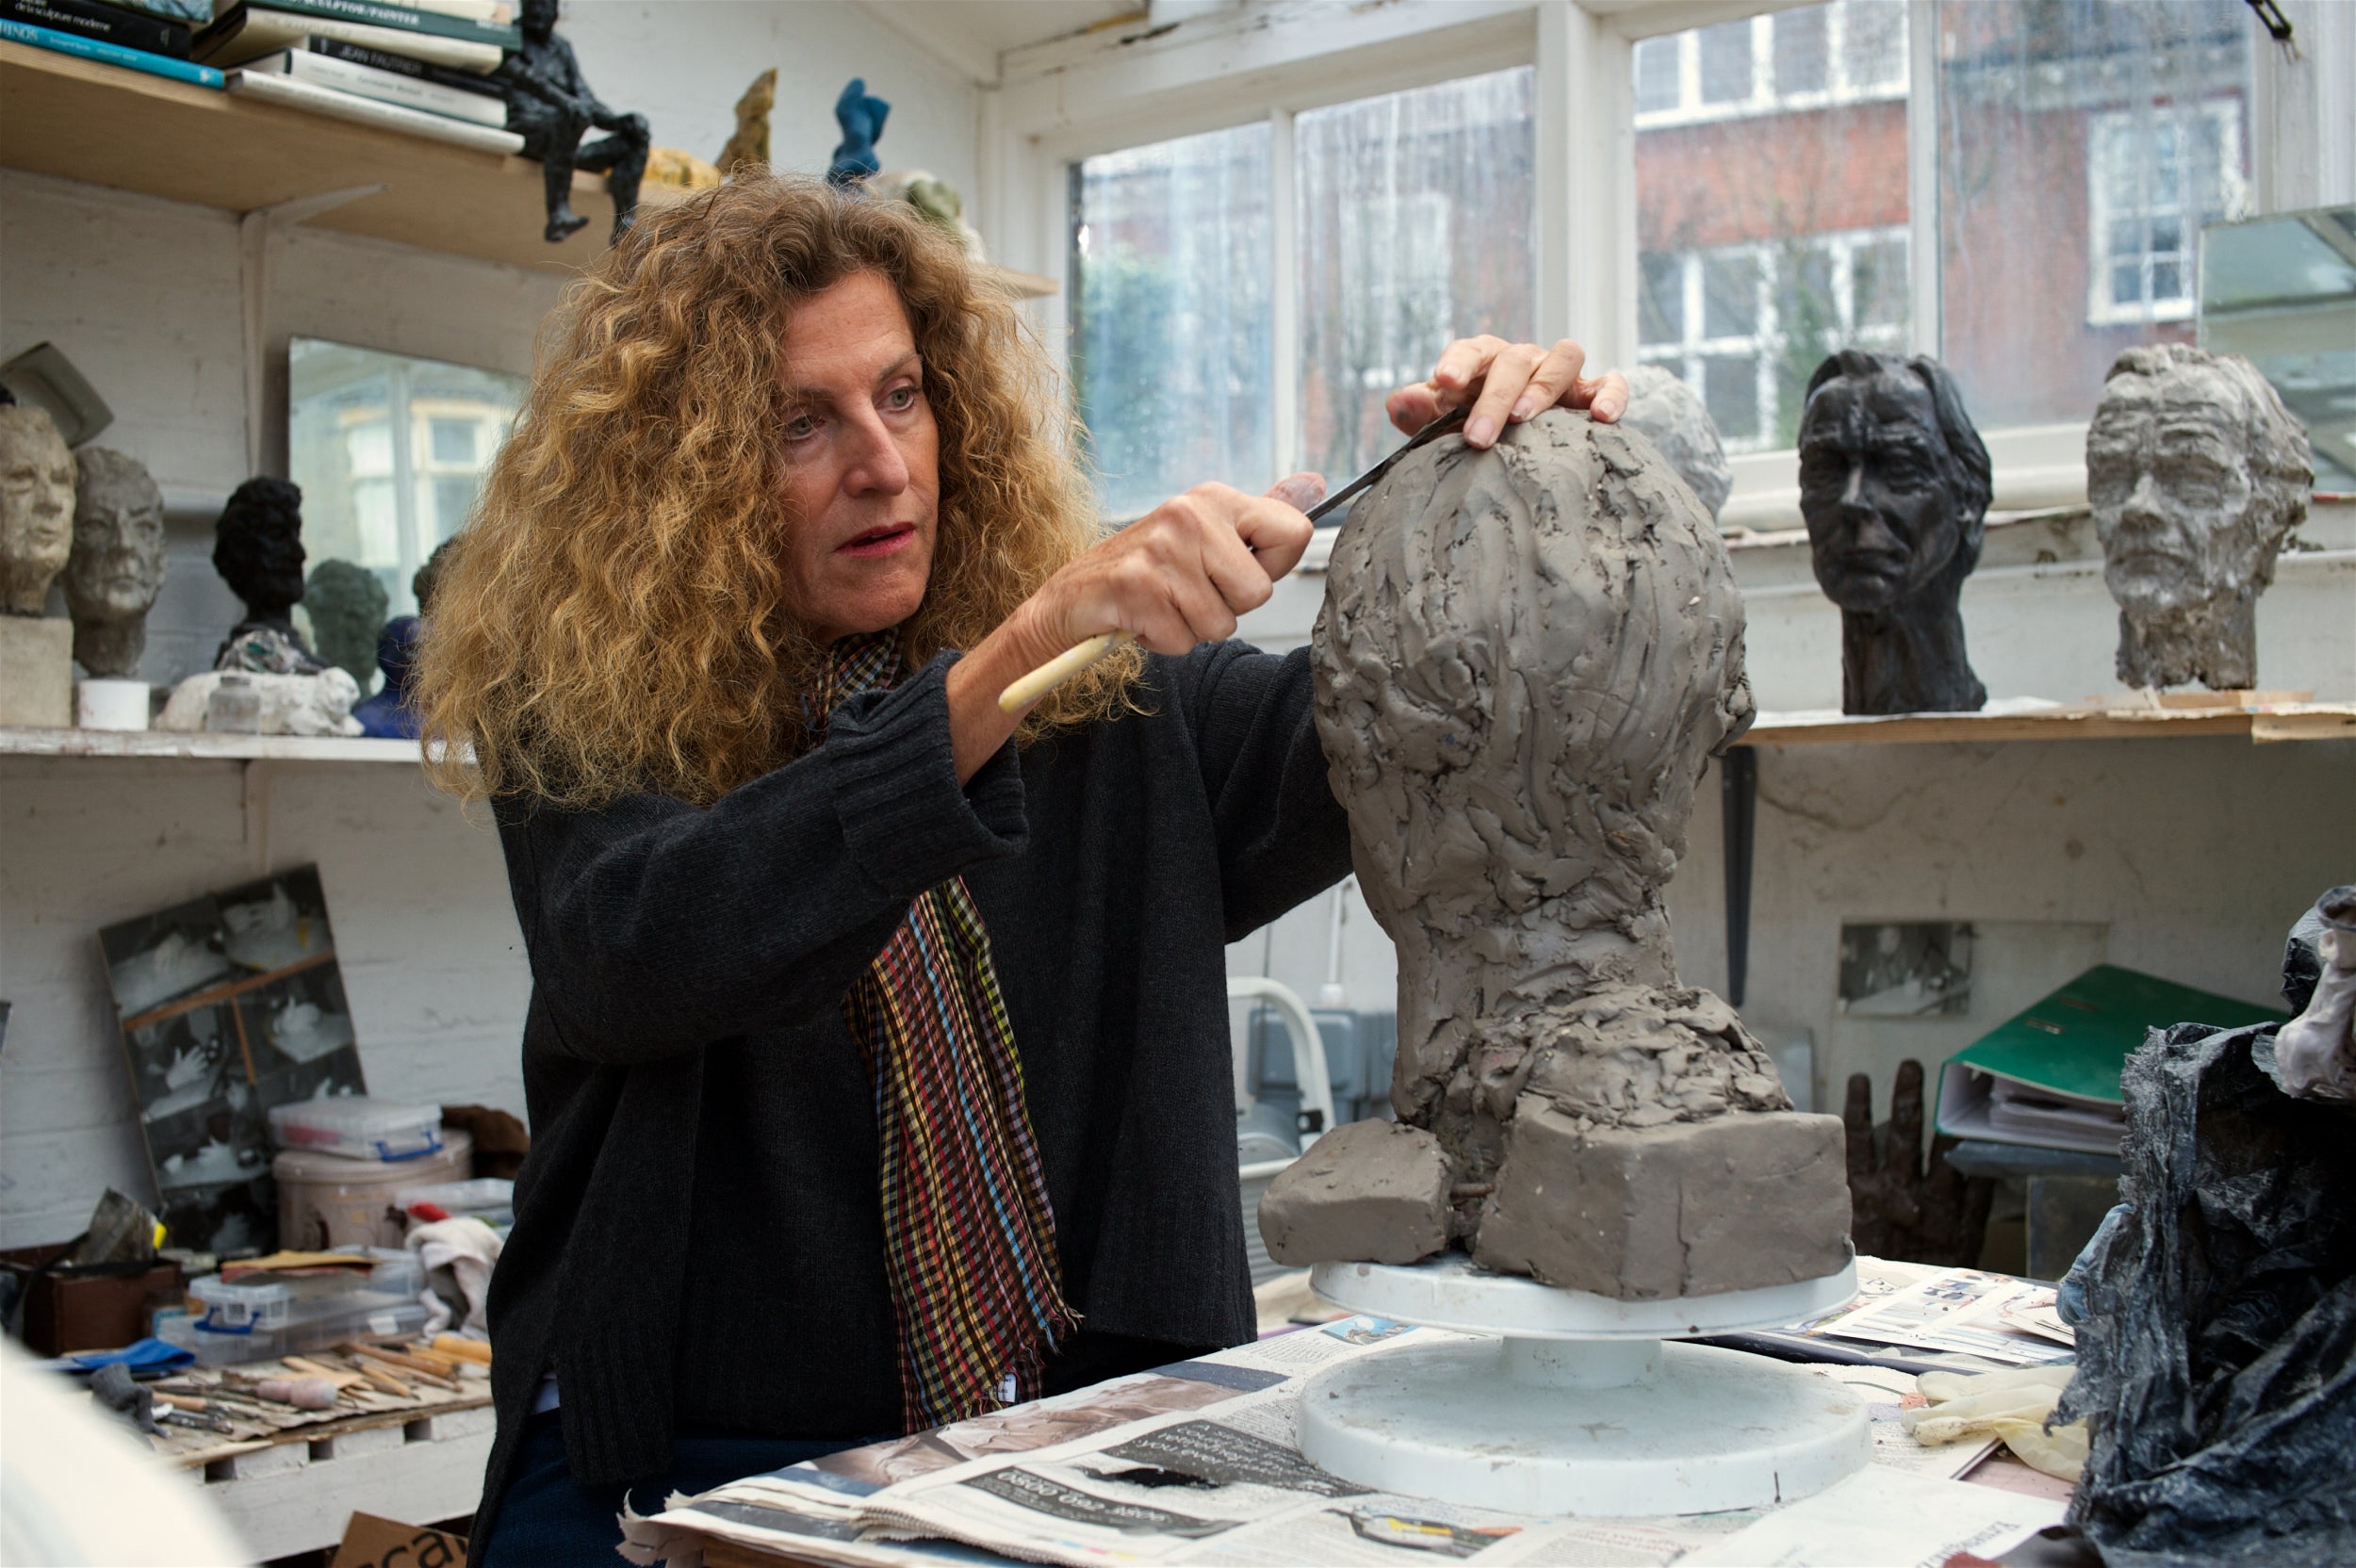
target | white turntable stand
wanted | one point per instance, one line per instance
(1579, 1408)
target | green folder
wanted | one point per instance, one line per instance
(2050, 1076)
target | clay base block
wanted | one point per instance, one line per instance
(36, 671)
(1741, 1201)
(1370, 1192)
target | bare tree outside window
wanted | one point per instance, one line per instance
(1172, 316)
(1416, 211)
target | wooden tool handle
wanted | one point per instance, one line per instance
(1060, 669)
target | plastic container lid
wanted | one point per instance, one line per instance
(359, 1127)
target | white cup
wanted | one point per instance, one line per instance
(111, 705)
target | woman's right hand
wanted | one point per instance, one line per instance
(1179, 575)
(1183, 573)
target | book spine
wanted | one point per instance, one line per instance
(403, 65)
(407, 19)
(110, 54)
(387, 87)
(365, 111)
(105, 24)
(196, 13)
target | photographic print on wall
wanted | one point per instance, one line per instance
(230, 1004)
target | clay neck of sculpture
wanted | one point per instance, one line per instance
(2213, 642)
(1908, 659)
(109, 650)
(1463, 981)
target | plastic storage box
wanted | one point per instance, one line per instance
(258, 1318)
(357, 1127)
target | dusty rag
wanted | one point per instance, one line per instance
(969, 1238)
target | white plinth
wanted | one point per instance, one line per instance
(1580, 1408)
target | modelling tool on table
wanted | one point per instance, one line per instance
(1032, 687)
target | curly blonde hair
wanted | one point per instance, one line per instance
(613, 620)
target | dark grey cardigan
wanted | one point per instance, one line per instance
(697, 1231)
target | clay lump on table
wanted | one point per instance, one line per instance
(1526, 658)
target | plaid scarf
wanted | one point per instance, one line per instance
(969, 1240)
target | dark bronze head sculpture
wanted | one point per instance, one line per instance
(1894, 484)
(257, 550)
(346, 606)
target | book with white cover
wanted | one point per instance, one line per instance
(368, 111)
(386, 86)
(252, 31)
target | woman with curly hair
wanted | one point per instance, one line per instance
(876, 1055)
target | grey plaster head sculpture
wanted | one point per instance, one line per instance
(2197, 473)
(346, 606)
(117, 567)
(36, 507)
(1526, 659)
(1894, 484)
(1674, 416)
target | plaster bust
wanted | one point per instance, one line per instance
(117, 567)
(1526, 658)
(2197, 474)
(36, 507)
(1675, 416)
(1894, 484)
(257, 550)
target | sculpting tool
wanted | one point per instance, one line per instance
(1032, 687)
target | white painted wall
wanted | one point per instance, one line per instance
(143, 295)
(2188, 858)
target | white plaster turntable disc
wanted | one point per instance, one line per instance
(1579, 1408)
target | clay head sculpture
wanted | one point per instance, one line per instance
(1894, 484)
(2197, 473)
(117, 567)
(1526, 659)
(1674, 416)
(346, 606)
(257, 550)
(36, 507)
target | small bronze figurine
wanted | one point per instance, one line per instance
(1894, 484)
(552, 109)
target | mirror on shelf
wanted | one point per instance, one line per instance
(390, 451)
(2282, 292)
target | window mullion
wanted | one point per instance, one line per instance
(1924, 328)
(1283, 294)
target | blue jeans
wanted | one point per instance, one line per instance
(548, 1520)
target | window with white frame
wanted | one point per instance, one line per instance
(2154, 176)
(1849, 50)
(1747, 325)
(1411, 226)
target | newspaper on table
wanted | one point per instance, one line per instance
(1199, 1464)
(1926, 1318)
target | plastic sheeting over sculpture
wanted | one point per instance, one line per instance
(2216, 1361)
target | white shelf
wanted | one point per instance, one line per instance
(17, 740)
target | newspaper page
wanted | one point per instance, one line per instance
(1199, 1464)
(1994, 1316)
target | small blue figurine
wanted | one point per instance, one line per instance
(863, 122)
(387, 714)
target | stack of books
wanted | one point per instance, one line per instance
(418, 66)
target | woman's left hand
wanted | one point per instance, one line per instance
(1506, 384)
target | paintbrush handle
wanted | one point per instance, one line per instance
(1060, 669)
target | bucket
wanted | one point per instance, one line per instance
(331, 1201)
